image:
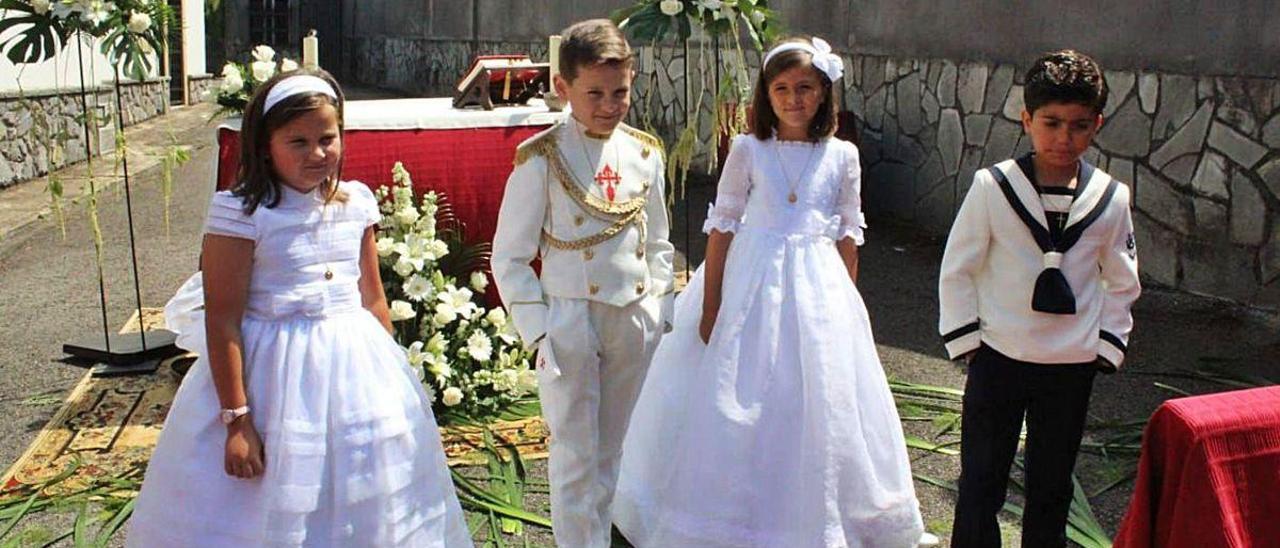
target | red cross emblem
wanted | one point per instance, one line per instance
(608, 178)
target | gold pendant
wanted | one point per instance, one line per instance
(791, 197)
(328, 274)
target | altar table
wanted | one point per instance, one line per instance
(1209, 474)
(465, 153)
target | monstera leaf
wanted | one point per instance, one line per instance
(40, 39)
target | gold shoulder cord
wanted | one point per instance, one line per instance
(620, 215)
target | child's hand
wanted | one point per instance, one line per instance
(707, 325)
(244, 456)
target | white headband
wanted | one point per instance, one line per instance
(294, 85)
(829, 63)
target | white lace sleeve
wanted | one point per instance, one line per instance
(849, 205)
(731, 194)
(227, 218)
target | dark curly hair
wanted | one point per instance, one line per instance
(1065, 76)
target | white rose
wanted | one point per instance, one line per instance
(139, 22)
(407, 215)
(479, 281)
(231, 84)
(41, 7)
(262, 70)
(288, 65)
(404, 267)
(480, 347)
(437, 249)
(497, 318)
(264, 54)
(452, 396)
(386, 245)
(443, 315)
(671, 7)
(401, 310)
(230, 69)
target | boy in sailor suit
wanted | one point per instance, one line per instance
(1037, 280)
(586, 197)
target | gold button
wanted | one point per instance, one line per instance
(640, 288)
(577, 221)
(593, 289)
(645, 185)
(328, 274)
(644, 152)
(588, 255)
(640, 253)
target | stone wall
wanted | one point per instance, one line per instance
(198, 86)
(34, 119)
(1201, 153)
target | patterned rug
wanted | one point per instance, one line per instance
(110, 424)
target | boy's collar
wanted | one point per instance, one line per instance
(1090, 187)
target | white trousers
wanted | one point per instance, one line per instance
(594, 369)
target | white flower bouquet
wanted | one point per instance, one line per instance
(470, 358)
(239, 81)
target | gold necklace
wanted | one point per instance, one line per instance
(324, 209)
(612, 178)
(792, 183)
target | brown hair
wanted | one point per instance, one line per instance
(1065, 76)
(764, 121)
(256, 183)
(592, 42)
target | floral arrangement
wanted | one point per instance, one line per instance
(471, 359)
(239, 81)
(132, 31)
(654, 20)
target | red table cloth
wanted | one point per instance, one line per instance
(1209, 474)
(464, 153)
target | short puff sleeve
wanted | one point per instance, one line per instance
(363, 203)
(227, 217)
(849, 204)
(735, 185)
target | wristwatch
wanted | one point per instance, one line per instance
(228, 415)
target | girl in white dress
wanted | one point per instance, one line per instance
(766, 419)
(302, 423)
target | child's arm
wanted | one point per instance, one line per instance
(515, 246)
(965, 256)
(1119, 268)
(658, 250)
(227, 264)
(722, 222)
(849, 208)
(372, 295)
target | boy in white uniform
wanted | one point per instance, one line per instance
(1038, 277)
(586, 197)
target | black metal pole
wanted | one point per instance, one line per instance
(88, 157)
(688, 119)
(128, 207)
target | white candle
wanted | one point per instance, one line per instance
(311, 51)
(553, 54)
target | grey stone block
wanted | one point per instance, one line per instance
(1120, 84)
(1013, 105)
(1181, 170)
(1177, 104)
(1269, 255)
(1205, 87)
(1002, 141)
(970, 163)
(1248, 212)
(947, 84)
(1211, 219)
(1188, 140)
(998, 88)
(1121, 170)
(976, 128)
(1159, 199)
(1242, 150)
(1271, 132)
(1270, 173)
(1239, 118)
(931, 108)
(910, 114)
(1157, 251)
(972, 86)
(872, 73)
(1148, 91)
(1127, 133)
(936, 209)
(929, 175)
(1211, 176)
(950, 140)
(1215, 268)
(876, 108)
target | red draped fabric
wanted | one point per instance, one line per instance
(1209, 474)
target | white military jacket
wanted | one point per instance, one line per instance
(592, 208)
(992, 261)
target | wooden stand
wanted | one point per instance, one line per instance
(505, 85)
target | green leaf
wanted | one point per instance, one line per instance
(33, 44)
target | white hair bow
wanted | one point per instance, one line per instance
(823, 59)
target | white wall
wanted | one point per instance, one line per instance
(193, 51)
(58, 72)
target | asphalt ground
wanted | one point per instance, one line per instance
(49, 295)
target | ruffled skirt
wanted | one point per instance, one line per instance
(353, 454)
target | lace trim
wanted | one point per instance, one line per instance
(720, 223)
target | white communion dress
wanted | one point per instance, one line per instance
(353, 454)
(781, 432)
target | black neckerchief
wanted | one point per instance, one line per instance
(1053, 295)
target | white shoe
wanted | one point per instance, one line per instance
(929, 539)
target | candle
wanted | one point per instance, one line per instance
(311, 51)
(553, 53)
